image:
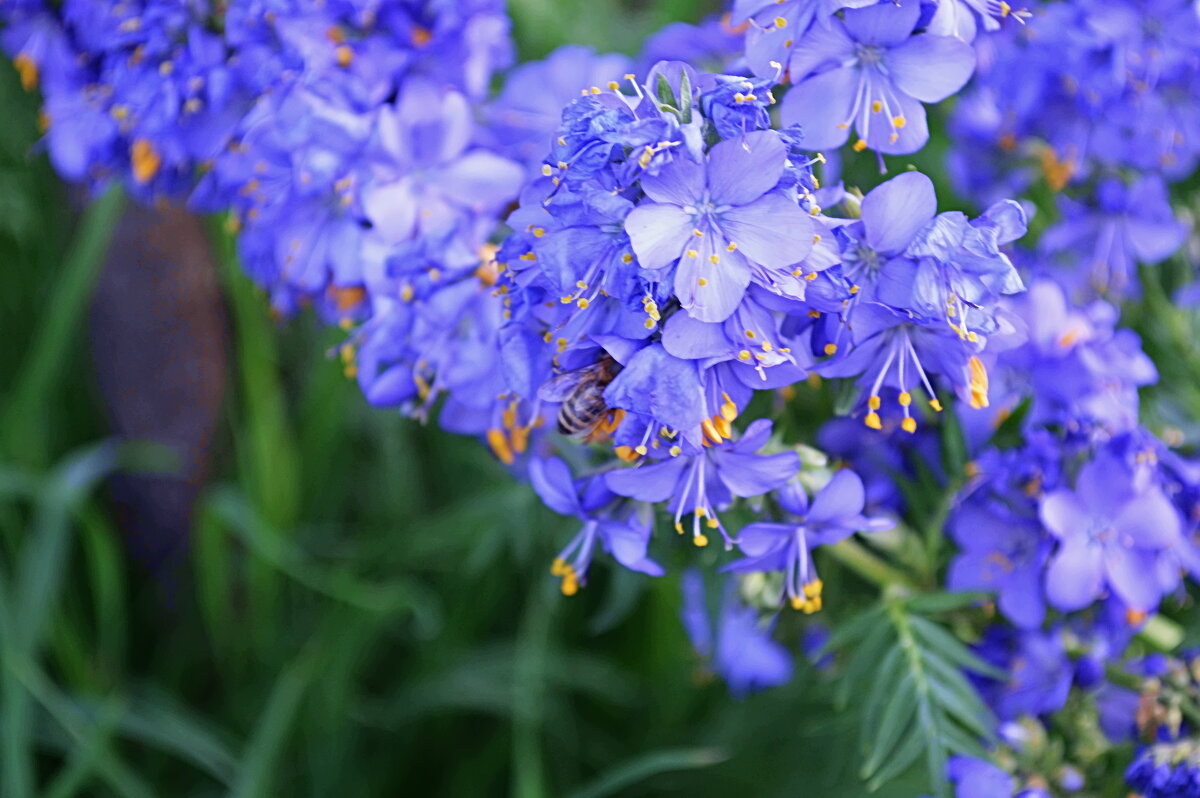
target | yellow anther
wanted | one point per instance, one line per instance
(905, 399)
(813, 588)
(749, 333)
(873, 403)
(739, 97)
(979, 383)
(814, 314)
(854, 289)
(729, 410)
(145, 161)
(1005, 9)
(562, 142)
(595, 90)
(859, 145)
(876, 106)
(723, 426)
(936, 405)
(873, 421)
(27, 69)
(798, 602)
(407, 293)
(559, 567)
(909, 424)
(810, 276)
(561, 343)
(546, 170)
(710, 432)
(627, 258)
(702, 282)
(435, 274)
(744, 354)
(613, 85)
(732, 246)
(899, 121)
(700, 540)
(562, 164)
(648, 324)
(698, 233)
(691, 253)
(679, 527)
(345, 56)
(499, 444)
(538, 232)
(674, 451)
(780, 22)
(830, 349)
(570, 585)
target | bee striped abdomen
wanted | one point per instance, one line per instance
(581, 410)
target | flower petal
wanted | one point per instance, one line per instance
(1063, 514)
(1076, 574)
(931, 68)
(648, 483)
(1131, 574)
(821, 106)
(658, 233)
(895, 211)
(884, 24)
(680, 182)
(772, 231)
(749, 475)
(707, 290)
(552, 480)
(742, 170)
(1148, 521)
(843, 496)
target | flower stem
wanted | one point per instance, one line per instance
(867, 564)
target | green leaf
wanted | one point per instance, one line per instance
(907, 672)
(650, 764)
(933, 603)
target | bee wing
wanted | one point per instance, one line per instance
(559, 388)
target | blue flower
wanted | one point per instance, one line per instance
(722, 222)
(1004, 554)
(835, 514)
(975, 778)
(1110, 533)
(625, 536)
(869, 72)
(707, 481)
(742, 653)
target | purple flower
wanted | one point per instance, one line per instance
(1126, 226)
(869, 72)
(424, 176)
(1110, 533)
(590, 501)
(1003, 554)
(723, 222)
(706, 481)
(975, 778)
(835, 514)
(743, 653)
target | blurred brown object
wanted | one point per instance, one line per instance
(159, 343)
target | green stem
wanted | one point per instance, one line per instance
(24, 419)
(868, 565)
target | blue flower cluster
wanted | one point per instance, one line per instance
(1096, 97)
(674, 259)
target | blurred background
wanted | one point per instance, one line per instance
(291, 593)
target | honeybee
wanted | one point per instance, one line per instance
(583, 412)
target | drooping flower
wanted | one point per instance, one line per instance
(835, 514)
(622, 534)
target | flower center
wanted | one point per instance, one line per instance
(869, 54)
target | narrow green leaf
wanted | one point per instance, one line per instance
(897, 718)
(643, 767)
(260, 763)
